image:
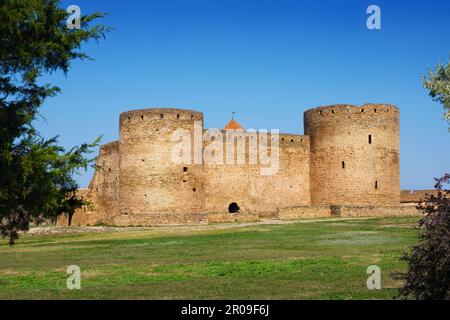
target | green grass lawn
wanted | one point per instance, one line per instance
(302, 260)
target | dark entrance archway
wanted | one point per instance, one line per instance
(233, 207)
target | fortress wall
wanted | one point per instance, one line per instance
(225, 183)
(415, 196)
(149, 180)
(295, 167)
(290, 186)
(104, 189)
(354, 154)
(253, 192)
(346, 165)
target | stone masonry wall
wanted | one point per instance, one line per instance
(149, 180)
(245, 185)
(105, 185)
(355, 154)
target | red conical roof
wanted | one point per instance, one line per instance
(233, 125)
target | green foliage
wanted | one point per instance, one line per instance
(428, 275)
(36, 180)
(438, 85)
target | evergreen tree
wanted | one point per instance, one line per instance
(36, 174)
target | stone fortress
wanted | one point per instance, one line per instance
(346, 164)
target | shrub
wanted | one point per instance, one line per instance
(428, 274)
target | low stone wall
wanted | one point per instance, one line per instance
(298, 212)
(86, 217)
(228, 217)
(268, 214)
(379, 211)
(62, 220)
(160, 219)
(80, 218)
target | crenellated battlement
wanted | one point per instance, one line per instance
(349, 115)
(160, 114)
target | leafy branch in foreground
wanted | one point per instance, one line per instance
(437, 82)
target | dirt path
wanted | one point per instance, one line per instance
(49, 230)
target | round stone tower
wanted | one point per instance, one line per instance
(150, 181)
(355, 154)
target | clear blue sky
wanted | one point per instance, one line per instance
(267, 60)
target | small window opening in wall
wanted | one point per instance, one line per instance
(370, 138)
(376, 184)
(129, 119)
(161, 116)
(184, 169)
(301, 140)
(184, 180)
(143, 160)
(142, 117)
(332, 111)
(233, 207)
(178, 116)
(343, 164)
(320, 112)
(109, 169)
(292, 140)
(374, 110)
(282, 139)
(192, 116)
(362, 110)
(194, 189)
